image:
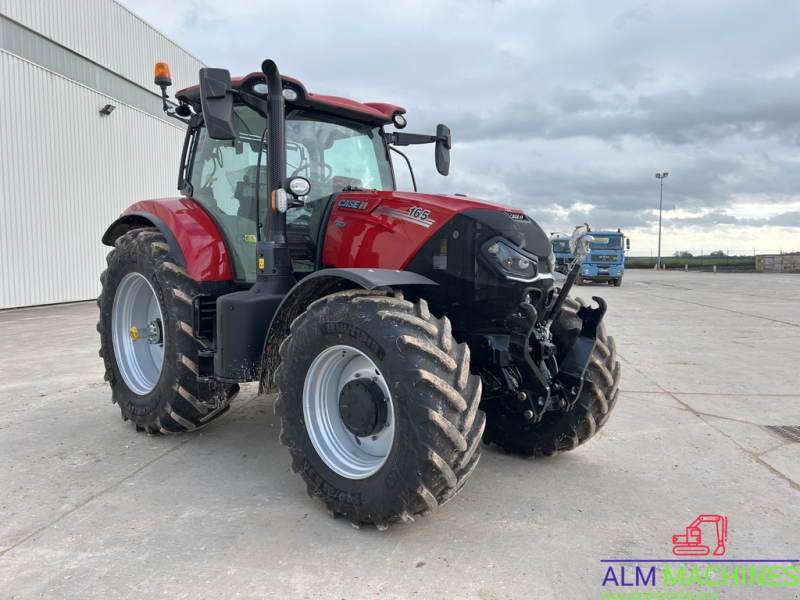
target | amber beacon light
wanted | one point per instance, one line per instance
(162, 78)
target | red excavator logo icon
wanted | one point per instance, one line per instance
(691, 543)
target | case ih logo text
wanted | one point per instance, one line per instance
(354, 204)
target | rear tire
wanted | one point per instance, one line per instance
(432, 400)
(155, 384)
(560, 431)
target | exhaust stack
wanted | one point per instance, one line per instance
(276, 151)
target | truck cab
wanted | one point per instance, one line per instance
(562, 252)
(606, 262)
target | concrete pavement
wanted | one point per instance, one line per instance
(92, 509)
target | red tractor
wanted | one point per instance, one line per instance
(399, 329)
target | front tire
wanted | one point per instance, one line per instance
(147, 342)
(618, 281)
(377, 406)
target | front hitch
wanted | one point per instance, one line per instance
(568, 382)
(540, 383)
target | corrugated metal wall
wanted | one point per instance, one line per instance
(107, 33)
(65, 174)
(23, 42)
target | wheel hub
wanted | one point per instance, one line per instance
(154, 331)
(363, 407)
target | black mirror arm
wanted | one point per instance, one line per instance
(407, 139)
(257, 104)
(168, 110)
(408, 162)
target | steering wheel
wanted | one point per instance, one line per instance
(327, 174)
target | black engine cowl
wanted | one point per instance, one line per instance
(474, 296)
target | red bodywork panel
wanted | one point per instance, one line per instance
(201, 242)
(382, 230)
(386, 229)
(378, 113)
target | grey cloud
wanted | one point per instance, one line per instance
(752, 108)
(553, 105)
(786, 219)
(640, 14)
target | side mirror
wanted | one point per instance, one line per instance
(443, 144)
(216, 101)
(628, 243)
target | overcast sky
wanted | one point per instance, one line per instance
(564, 108)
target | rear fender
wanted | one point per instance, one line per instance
(192, 235)
(139, 220)
(318, 285)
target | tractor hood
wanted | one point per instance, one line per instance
(448, 203)
(386, 229)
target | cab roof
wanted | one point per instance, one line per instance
(373, 113)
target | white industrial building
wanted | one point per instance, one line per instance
(67, 170)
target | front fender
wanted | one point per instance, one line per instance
(318, 285)
(194, 238)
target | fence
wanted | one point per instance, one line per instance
(733, 259)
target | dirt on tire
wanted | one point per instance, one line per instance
(438, 425)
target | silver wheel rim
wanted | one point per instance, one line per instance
(349, 456)
(139, 361)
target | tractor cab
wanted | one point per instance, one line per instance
(331, 153)
(333, 143)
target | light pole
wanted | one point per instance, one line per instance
(661, 177)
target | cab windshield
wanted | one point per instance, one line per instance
(561, 246)
(331, 153)
(606, 242)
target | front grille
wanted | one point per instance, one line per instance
(604, 258)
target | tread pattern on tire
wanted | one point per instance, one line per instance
(180, 409)
(444, 408)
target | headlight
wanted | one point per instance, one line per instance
(508, 262)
